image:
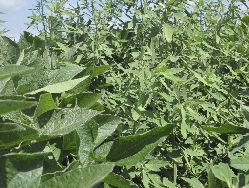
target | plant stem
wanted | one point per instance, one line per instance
(174, 163)
(175, 172)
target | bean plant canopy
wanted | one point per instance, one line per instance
(125, 93)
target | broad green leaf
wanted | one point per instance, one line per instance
(18, 117)
(81, 87)
(9, 51)
(14, 97)
(242, 143)
(100, 70)
(45, 104)
(71, 141)
(41, 77)
(140, 156)
(240, 163)
(7, 87)
(107, 125)
(146, 180)
(100, 152)
(168, 32)
(27, 41)
(193, 182)
(10, 71)
(56, 150)
(168, 183)
(156, 164)
(135, 115)
(184, 126)
(224, 173)
(80, 178)
(67, 120)
(5, 127)
(119, 181)
(228, 129)
(212, 181)
(21, 170)
(93, 133)
(94, 71)
(59, 87)
(133, 149)
(7, 106)
(83, 100)
(87, 100)
(12, 135)
(86, 141)
(38, 78)
(64, 74)
(155, 180)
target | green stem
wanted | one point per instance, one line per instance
(175, 173)
(174, 163)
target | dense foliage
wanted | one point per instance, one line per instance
(127, 94)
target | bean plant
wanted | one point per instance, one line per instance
(110, 93)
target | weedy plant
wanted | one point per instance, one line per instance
(2, 31)
(127, 94)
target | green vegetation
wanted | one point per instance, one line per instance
(127, 94)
